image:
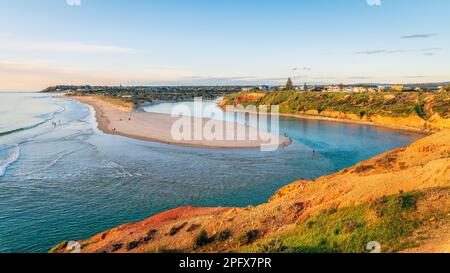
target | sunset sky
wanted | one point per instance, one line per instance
(222, 42)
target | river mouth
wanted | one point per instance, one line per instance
(72, 181)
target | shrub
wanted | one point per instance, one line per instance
(132, 245)
(408, 201)
(193, 227)
(363, 168)
(116, 247)
(169, 250)
(273, 246)
(224, 235)
(379, 205)
(202, 239)
(175, 229)
(419, 110)
(150, 235)
(248, 237)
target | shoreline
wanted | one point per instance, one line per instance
(359, 122)
(350, 121)
(404, 170)
(120, 120)
(405, 115)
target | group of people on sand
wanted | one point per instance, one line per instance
(54, 124)
(114, 129)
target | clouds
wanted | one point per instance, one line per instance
(374, 2)
(380, 51)
(38, 75)
(425, 51)
(73, 2)
(64, 47)
(68, 47)
(419, 36)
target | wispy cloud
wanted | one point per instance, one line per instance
(35, 75)
(418, 36)
(230, 78)
(359, 78)
(381, 51)
(73, 2)
(416, 77)
(396, 51)
(374, 2)
(64, 47)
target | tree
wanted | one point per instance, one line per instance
(341, 87)
(289, 85)
(305, 87)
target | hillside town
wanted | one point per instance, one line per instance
(149, 94)
(358, 88)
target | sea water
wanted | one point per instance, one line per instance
(71, 181)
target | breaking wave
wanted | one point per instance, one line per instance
(45, 118)
(13, 157)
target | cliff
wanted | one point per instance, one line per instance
(400, 199)
(424, 112)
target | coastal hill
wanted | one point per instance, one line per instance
(425, 112)
(145, 94)
(400, 200)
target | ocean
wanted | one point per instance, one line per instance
(71, 181)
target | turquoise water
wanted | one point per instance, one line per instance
(72, 181)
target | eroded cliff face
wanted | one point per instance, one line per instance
(431, 121)
(423, 166)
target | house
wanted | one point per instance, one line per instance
(398, 87)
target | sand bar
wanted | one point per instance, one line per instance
(120, 119)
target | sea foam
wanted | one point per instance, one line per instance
(43, 119)
(13, 157)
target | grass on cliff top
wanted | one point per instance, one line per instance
(395, 104)
(388, 220)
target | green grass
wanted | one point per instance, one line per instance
(403, 104)
(388, 220)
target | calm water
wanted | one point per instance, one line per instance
(72, 181)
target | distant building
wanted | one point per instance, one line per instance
(398, 87)
(246, 89)
(339, 89)
(315, 88)
(263, 88)
(381, 88)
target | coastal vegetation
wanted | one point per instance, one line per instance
(393, 104)
(417, 111)
(398, 201)
(389, 221)
(146, 94)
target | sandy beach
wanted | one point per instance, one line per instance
(120, 119)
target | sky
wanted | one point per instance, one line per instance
(222, 42)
